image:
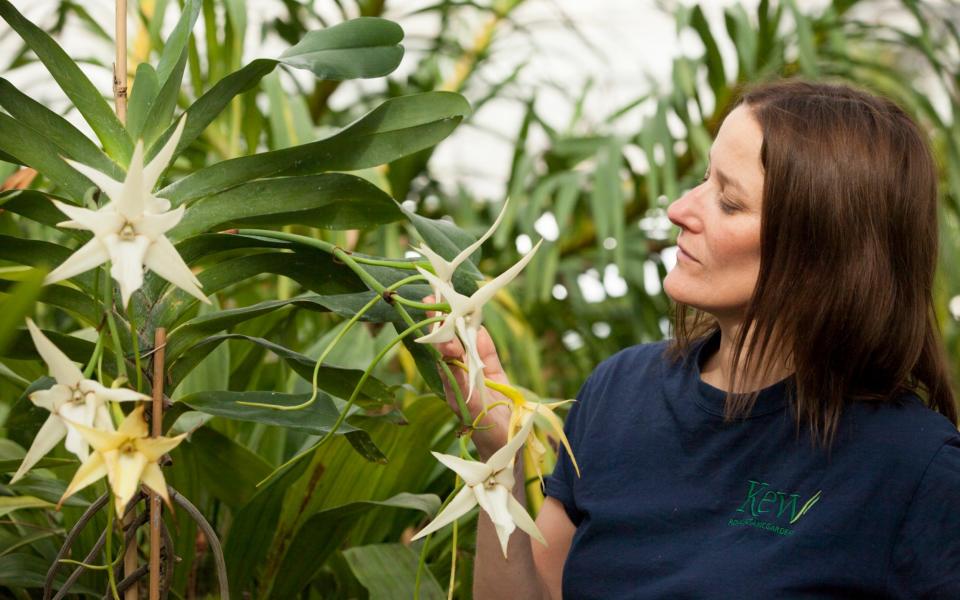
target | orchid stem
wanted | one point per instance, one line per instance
(134, 336)
(353, 396)
(94, 358)
(114, 335)
(453, 562)
(108, 551)
(346, 328)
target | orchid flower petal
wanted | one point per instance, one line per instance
(473, 472)
(97, 221)
(102, 441)
(124, 470)
(50, 434)
(494, 503)
(459, 506)
(108, 185)
(52, 399)
(155, 447)
(126, 258)
(156, 167)
(113, 394)
(489, 290)
(61, 367)
(90, 255)
(469, 250)
(503, 457)
(523, 520)
(155, 225)
(130, 203)
(164, 260)
(134, 425)
(152, 477)
(92, 470)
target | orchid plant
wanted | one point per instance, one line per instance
(210, 228)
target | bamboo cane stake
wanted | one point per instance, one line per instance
(120, 66)
(156, 424)
(120, 98)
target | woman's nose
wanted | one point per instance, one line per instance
(682, 212)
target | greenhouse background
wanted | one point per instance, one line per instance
(591, 117)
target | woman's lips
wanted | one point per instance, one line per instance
(684, 254)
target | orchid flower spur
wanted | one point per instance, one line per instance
(523, 411)
(127, 456)
(129, 230)
(72, 399)
(490, 485)
(466, 317)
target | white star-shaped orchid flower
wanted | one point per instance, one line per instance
(72, 399)
(490, 485)
(444, 268)
(466, 317)
(126, 456)
(129, 230)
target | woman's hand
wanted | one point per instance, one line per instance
(497, 418)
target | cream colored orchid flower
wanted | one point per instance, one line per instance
(466, 317)
(129, 230)
(522, 411)
(72, 399)
(490, 485)
(127, 456)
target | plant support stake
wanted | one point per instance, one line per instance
(156, 427)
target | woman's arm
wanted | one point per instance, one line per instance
(532, 571)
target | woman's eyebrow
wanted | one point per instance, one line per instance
(726, 180)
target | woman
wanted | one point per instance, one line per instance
(803, 282)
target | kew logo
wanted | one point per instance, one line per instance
(762, 500)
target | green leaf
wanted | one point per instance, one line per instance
(389, 571)
(208, 106)
(176, 43)
(808, 53)
(318, 418)
(36, 151)
(337, 381)
(21, 570)
(161, 112)
(716, 74)
(448, 240)
(146, 86)
(8, 504)
(358, 48)
(398, 127)
(290, 122)
(329, 201)
(46, 255)
(217, 454)
(18, 304)
(317, 273)
(10, 466)
(55, 129)
(74, 83)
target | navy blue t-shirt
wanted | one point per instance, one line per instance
(673, 503)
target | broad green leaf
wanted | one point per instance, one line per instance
(210, 372)
(202, 112)
(390, 570)
(716, 74)
(805, 41)
(216, 455)
(322, 533)
(146, 86)
(55, 129)
(36, 151)
(316, 273)
(447, 240)
(46, 255)
(330, 201)
(396, 128)
(36, 206)
(358, 48)
(161, 112)
(74, 83)
(317, 418)
(337, 381)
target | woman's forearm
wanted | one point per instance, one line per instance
(495, 578)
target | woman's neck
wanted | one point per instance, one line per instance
(716, 367)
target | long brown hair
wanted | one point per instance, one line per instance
(849, 244)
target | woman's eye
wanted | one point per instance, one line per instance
(727, 207)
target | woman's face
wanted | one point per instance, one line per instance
(719, 257)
